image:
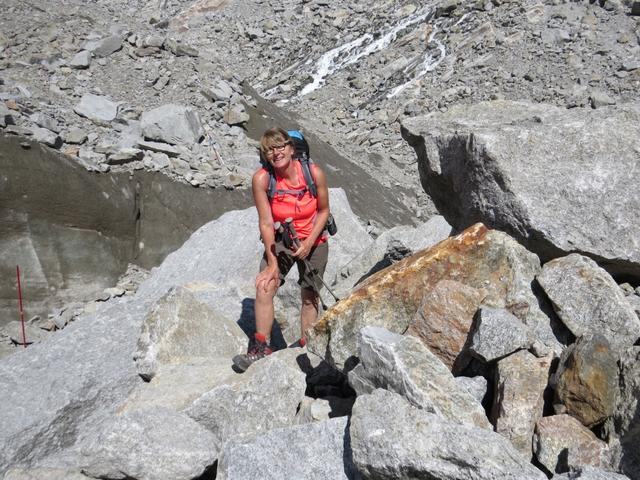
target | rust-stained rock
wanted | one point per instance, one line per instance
(562, 443)
(521, 379)
(486, 260)
(587, 380)
(444, 320)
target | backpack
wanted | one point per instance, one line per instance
(302, 155)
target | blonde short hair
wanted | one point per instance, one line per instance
(272, 137)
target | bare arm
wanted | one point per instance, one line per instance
(265, 222)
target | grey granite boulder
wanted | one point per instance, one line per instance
(315, 451)
(590, 473)
(179, 328)
(626, 419)
(226, 282)
(375, 258)
(174, 124)
(562, 443)
(587, 380)
(265, 397)
(151, 444)
(556, 179)
(518, 401)
(497, 334)
(391, 439)
(47, 137)
(588, 300)
(177, 386)
(97, 108)
(405, 366)
(54, 392)
(43, 474)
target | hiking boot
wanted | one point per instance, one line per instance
(256, 351)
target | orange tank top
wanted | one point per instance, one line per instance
(297, 203)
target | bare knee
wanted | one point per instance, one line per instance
(266, 294)
(309, 298)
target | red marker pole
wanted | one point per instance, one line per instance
(24, 336)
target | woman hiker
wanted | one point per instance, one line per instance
(291, 199)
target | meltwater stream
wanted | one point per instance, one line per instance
(340, 57)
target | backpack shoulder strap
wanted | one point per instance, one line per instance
(271, 189)
(308, 176)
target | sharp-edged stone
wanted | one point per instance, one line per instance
(167, 334)
(498, 333)
(518, 402)
(405, 366)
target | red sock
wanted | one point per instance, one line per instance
(303, 342)
(261, 338)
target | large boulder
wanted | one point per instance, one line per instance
(315, 451)
(151, 444)
(518, 401)
(392, 439)
(267, 396)
(483, 259)
(174, 124)
(180, 328)
(556, 179)
(497, 334)
(220, 261)
(54, 392)
(177, 386)
(588, 300)
(405, 366)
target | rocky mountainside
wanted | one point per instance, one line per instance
(87, 78)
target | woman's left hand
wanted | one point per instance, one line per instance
(303, 251)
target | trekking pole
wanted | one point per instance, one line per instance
(290, 232)
(24, 335)
(291, 242)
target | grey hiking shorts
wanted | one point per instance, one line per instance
(317, 259)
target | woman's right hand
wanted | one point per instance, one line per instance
(266, 276)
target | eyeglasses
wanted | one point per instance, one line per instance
(276, 148)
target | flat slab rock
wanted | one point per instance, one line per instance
(316, 451)
(391, 439)
(150, 444)
(557, 179)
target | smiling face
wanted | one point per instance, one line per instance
(277, 148)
